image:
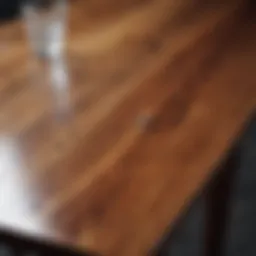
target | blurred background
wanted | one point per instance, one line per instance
(9, 9)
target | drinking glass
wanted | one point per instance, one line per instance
(46, 24)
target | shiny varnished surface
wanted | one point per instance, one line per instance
(105, 155)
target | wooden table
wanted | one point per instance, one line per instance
(108, 158)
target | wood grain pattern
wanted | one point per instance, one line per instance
(157, 92)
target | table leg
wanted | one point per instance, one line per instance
(218, 206)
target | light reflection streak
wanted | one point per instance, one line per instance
(15, 196)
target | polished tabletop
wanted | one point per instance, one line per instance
(105, 149)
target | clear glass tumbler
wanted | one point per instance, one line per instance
(46, 26)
